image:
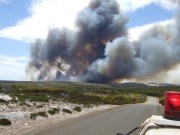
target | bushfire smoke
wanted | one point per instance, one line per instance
(100, 51)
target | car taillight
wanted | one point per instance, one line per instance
(172, 105)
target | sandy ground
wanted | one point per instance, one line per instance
(20, 115)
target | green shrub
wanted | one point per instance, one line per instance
(127, 99)
(56, 109)
(14, 100)
(52, 112)
(77, 108)
(5, 122)
(21, 103)
(43, 114)
(161, 101)
(24, 103)
(34, 115)
(3, 101)
(88, 105)
(39, 97)
(39, 106)
(23, 96)
(67, 111)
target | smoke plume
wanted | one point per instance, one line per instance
(100, 51)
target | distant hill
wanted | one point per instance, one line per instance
(129, 84)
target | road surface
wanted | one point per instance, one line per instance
(110, 122)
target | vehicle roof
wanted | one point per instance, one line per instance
(163, 131)
(157, 125)
(160, 120)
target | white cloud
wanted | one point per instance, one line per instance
(46, 14)
(132, 5)
(12, 67)
(168, 4)
(12, 61)
(136, 32)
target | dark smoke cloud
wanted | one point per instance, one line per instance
(70, 53)
(101, 52)
(118, 63)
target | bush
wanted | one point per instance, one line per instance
(3, 101)
(88, 105)
(161, 101)
(56, 109)
(67, 111)
(39, 97)
(5, 122)
(23, 96)
(127, 99)
(52, 112)
(24, 103)
(14, 100)
(77, 108)
(43, 114)
(34, 115)
(39, 106)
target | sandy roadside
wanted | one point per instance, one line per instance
(34, 125)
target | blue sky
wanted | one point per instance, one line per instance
(150, 14)
(10, 13)
(19, 17)
(13, 11)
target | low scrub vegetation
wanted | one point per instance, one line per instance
(24, 103)
(34, 115)
(39, 106)
(23, 96)
(53, 111)
(126, 99)
(83, 93)
(3, 101)
(67, 111)
(161, 100)
(5, 122)
(77, 108)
